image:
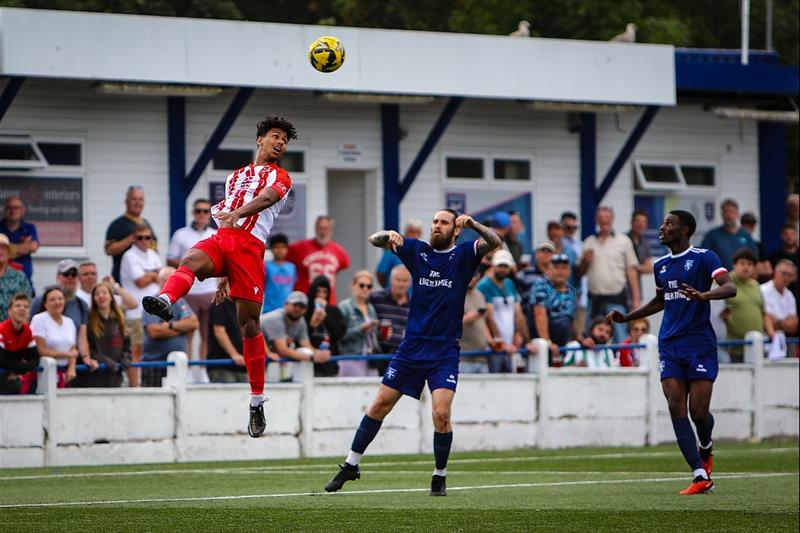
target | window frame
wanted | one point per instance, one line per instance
(677, 163)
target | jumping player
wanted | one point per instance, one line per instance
(441, 272)
(254, 195)
(686, 343)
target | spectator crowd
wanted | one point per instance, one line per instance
(561, 294)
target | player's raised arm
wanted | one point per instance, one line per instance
(489, 239)
(385, 238)
(265, 199)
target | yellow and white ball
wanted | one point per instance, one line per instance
(326, 54)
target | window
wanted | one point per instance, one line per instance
(231, 158)
(464, 167)
(657, 176)
(20, 152)
(62, 154)
(698, 176)
(294, 161)
(512, 169)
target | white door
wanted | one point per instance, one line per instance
(347, 204)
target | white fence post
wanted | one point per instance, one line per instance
(651, 359)
(306, 371)
(46, 384)
(176, 380)
(542, 348)
(754, 354)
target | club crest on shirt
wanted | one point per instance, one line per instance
(390, 373)
(424, 256)
(688, 264)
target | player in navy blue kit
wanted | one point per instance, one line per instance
(686, 343)
(441, 272)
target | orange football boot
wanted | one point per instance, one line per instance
(698, 486)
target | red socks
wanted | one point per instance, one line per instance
(254, 359)
(178, 284)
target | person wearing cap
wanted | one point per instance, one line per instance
(727, 239)
(554, 302)
(763, 267)
(500, 291)
(74, 308)
(413, 230)
(609, 264)
(163, 337)
(526, 278)
(286, 332)
(21, 234)
(120, 235)
(12, 280)
(501, 224)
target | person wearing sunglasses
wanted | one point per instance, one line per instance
(361, 337)
(201, 295)
(74, 308)
(139, 275)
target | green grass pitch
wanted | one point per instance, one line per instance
(582, 490)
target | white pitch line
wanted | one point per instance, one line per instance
(382, 491)
(309, 468)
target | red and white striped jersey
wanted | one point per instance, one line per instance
(242, 185)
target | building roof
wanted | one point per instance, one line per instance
(114, 47)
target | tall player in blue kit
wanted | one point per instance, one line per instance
(441, 272)
(686, 343)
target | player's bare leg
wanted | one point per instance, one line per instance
(382, 405)
(254, 351)
(442, 438)
(194, 264)
(677, 392)
(699, 409)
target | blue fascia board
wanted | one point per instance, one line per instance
(722, 71)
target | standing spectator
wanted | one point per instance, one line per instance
(202, 293)
(590, 355)
(745, 311)
(75, 308)
(793, 211)
(109, 342)
(225, 342)
(518, 233)
(609, 263)
(639, 224)
(501, 224)
(728, 238)
(55, 335)
(120, 234)
(389, 259)
(21, 234)
(320, 255)
(555, 234)
(789, 247)
(499, 290)
(160, 337)
(287, 333)
(779, 302)
(763, 267)
(12, 280)
(87, 279)
(569, 221)
(392, 304)
(528, 276)
(636, 328)
(479, 329)
(361, 337)
(139, 275)
(326, 325)
(18, 354)
(281, 274)
(554, 303)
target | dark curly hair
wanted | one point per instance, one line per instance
(276, 122)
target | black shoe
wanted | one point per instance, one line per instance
(157, 306)
(438, 485)
(347, 472)
(257, 423)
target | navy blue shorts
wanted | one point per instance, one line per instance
(687, 364)
(407, 371)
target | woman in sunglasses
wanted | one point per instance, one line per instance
(139, 275)
(362, 321)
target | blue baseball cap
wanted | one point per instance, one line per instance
(501, 219)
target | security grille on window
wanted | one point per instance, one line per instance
(464, 167)
(512, 169)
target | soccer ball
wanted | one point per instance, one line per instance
(326, 54)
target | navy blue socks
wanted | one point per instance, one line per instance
(687, 442)
(441, 450)
(365, 433)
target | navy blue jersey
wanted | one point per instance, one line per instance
(686, 322)
(440, 280)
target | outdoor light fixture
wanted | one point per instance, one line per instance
(155, 89)
(757, 114)
(375, 98)
(580, 107)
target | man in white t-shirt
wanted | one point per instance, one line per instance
(138, 273)
(779, 302)
(202, 293)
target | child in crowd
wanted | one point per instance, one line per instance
(636, 328)
(281, 274)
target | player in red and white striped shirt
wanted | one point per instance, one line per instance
(254, 195)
